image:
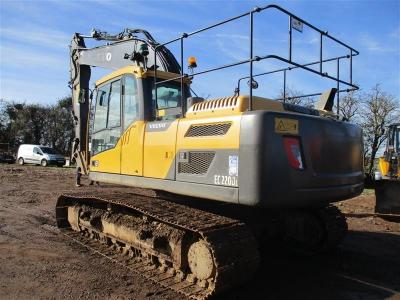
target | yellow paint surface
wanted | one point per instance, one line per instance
(132, 149)
(383, 166)
(108, 161)
(159, 151)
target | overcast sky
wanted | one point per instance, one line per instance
(35, 35)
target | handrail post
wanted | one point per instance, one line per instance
(351, 66)
(320, 53)
(338, 85)
(284, 86)
(251, 62)
(290, 38)
(182, 96)
(155, 77)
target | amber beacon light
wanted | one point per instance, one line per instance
(192, 62)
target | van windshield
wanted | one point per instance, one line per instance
(48, 150)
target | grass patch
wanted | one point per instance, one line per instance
(368, 192)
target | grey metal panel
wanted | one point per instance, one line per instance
(218, 167)
(332, 154)
(213, 192)
(171, 171)
(112, 56)
(250, 158)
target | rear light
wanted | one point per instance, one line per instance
(293, 152)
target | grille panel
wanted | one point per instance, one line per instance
(208, 130)
(198, 163)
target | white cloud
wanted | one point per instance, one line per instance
(233, 36)
(22, 89)
(12, 56)
(373, 45)
(39, 36)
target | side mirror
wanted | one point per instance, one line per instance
(103, 100)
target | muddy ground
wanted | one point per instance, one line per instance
(36, 262)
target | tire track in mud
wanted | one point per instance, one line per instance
(43, 234)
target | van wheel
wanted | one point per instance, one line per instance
(20, 161)
(43, 163)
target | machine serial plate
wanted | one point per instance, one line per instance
(286, 126)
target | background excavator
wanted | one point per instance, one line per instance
(387, 183)
(210, 179)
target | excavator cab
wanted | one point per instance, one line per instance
(125, 111)
(387, 189)
(389, 164)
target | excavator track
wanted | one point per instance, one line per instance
(190, 251)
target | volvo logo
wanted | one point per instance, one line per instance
(157, 126)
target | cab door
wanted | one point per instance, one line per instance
(160, 134)
(133, 128)
(106, 144)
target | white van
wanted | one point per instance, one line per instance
(41, 155)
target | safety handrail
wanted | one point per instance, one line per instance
(252, 59)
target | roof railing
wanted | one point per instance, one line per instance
(293, 20)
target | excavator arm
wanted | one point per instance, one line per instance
(123, 49)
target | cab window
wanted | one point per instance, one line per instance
(131, 101)
(100, 121)
(168, 95)
(114, 107)
(107, 119)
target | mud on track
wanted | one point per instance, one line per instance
(38, 263)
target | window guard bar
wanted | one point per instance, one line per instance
(252, 59)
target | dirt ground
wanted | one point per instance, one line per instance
(36, 262)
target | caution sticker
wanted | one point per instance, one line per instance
(286, 126)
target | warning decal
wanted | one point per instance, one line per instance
(286, 126)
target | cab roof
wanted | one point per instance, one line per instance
(139, 72)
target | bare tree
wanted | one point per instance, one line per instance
(378, 110)
(349, 105)
(294, 97)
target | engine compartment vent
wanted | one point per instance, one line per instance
(219, 103)
(197, 163)
(208, 129)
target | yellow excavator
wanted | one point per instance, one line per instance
(387, 184)
(209, 179)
